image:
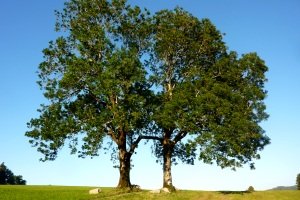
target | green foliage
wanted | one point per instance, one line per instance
(19, 180)
(298, 181)
(183, 47)
(7, 177)
(94, 79)
(250, 189)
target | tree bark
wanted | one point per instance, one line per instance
(168, 149)
(124, 158)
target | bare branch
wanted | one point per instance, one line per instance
(113, 137)
(180, 135)
(135, 144)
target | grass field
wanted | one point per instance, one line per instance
(10, 192)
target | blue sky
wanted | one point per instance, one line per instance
(269, 27)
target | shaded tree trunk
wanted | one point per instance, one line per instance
(124, 168)
(168, 149)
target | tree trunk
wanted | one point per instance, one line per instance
(124, 158)
(168, 149)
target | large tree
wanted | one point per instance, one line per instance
(95, 81)
(206, 93)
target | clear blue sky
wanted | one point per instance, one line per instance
(269, 27)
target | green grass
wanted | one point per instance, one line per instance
(10, 192)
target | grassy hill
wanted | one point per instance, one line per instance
(285, 188)
(9, 192)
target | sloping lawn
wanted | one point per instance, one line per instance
(13, 192)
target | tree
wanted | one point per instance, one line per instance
(206, 93)
(250, 189)
(298, 181)
(8, 177)
(95, 82)
(19, 180)
(3, 175)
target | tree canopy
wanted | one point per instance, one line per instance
(120, 74)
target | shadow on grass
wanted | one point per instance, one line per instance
(234, 192)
